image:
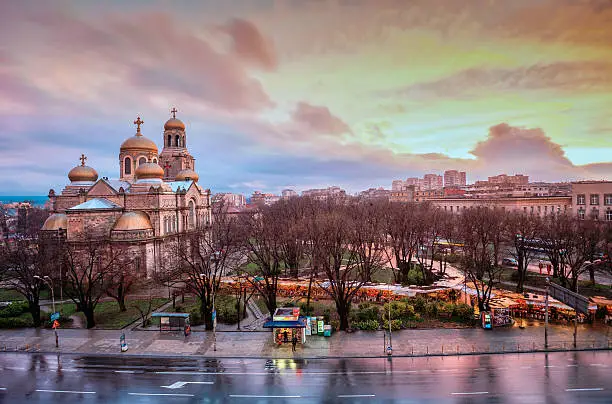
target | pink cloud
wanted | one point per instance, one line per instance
(319, 119)
(250, 44)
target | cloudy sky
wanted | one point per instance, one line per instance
(309, 93)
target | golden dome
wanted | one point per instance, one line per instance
(136, 220)
(83, 172)
(149, 171)
(174, 123)
(139, 142)
(187, 174)
(55, 222)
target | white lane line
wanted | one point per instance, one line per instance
(178, 385)
(524, 367)
(254, 396)
(296, 374)
(586, 389)
(15, 368)
(572, 366)
(66, 391)
(2, 388)
(599, 365)
(125, 371)
(161, 394)
(356, 395)
(550, 366)
(472, 393)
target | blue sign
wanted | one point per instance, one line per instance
(214, 315)
(55, 316)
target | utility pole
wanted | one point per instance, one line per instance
(546, 316)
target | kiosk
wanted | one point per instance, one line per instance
(287, 323)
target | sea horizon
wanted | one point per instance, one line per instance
(37, 200)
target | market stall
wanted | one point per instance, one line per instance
(287, 323)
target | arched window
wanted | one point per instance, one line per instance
(178, 141)
(142, 160)
(169, 143)
(192, 215)
(127, 166)
(183, 142)
(166, 231)
(155, 160)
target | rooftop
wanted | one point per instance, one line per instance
(96, 204)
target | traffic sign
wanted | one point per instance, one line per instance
(55, 316)
(56, 324)
(214, 315)
(572, 299)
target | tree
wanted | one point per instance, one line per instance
(89, 266)
(264, 246)
(428, 225)
(122, 278)
(23, 266)
(367, 237)
(291, 232)
(203, 256)
(479, 227)
(401, 238)
(338, 256)
(522, 232)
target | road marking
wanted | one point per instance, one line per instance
(2, 388)
(472, 393)
(572, 366)
(15, 368)
(178, 385)
(523, 367)
(161, 394)
(586, 389)
(253, 396)
(356, 395)
(66, 391)
(599, 365)
(125, 371)
(293, 373)
(550, 366)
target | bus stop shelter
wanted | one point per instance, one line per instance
(172, 321)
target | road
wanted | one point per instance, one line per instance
(560, 377)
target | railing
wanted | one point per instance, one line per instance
(499, 347)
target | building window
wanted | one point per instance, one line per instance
(580, 199)
(539, 209)
(524, 209)
(595, 213)
(532, 210)
(169, 143)
(608, 199)
(137, 264)
(178, 141)
(155, 161)
(142, 160)
(127, 166)
(581, 213)
(609, 215)
(594, 199)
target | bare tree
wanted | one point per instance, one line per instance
(23, 265)
(478, 228)
(89, 266)
(264, 246)
(401, 238)
(123, 277)
(367, 236)
(290, 213)
(338, 257)
(203, 256)
(428, 228)
(522, 234)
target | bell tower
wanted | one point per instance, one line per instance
(175, 157)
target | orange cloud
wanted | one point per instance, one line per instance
(319, 119)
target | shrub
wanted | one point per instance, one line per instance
(431, 309)
(399, 311)
(195, 318)
(396, 325)
(16, 322)
(366, 312)
(464, 312)
(335, 324)
(14, 309)
(419, 304)
(367, 325)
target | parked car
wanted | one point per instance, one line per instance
(509, 262)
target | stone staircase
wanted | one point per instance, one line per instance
(259, 317)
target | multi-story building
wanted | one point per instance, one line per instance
(540, 206)
(375, 193)
(235, 200)
(324, 193)
(592, 199)
(288, 193)
(258, 198)
(517, 179)
(432, 182)
(454, 178)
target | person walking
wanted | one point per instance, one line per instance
(293, 343)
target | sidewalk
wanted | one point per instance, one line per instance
(341, 344)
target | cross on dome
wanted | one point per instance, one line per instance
(173, 111)
(83, 158)
(138, 122)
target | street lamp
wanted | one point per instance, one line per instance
(46, 279)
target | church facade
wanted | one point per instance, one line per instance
(155, 199)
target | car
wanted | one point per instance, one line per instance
(510, 262)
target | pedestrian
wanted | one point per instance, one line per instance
(293, 343)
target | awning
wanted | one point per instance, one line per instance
(181, 315)
(300, 323)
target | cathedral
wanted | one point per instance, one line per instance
(155, 199)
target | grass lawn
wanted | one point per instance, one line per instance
(7, 295)
(107, 314)
(383, 275)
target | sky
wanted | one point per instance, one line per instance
(309, 93)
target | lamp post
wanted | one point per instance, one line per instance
(49, 283)
(390, 348)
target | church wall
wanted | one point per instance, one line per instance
(93, 224)
(64, 202)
